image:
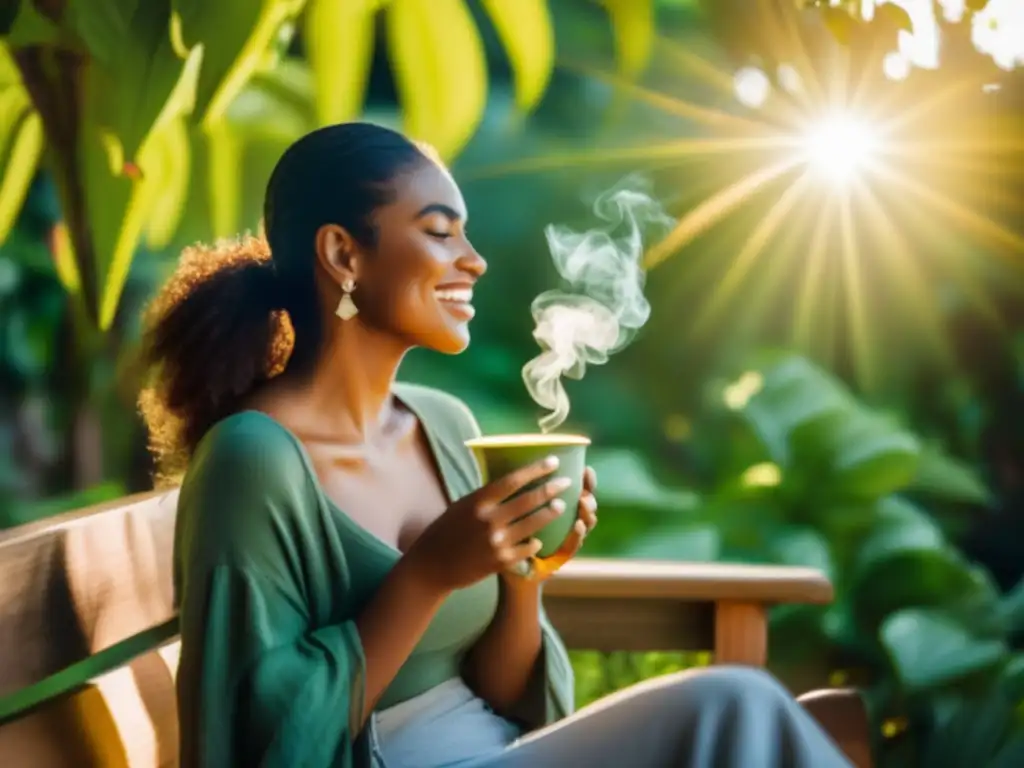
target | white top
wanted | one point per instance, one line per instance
(446, 725)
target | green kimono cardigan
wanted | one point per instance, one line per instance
(272, 667)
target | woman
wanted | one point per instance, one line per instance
(349, 594)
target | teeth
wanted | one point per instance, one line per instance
(460, 295)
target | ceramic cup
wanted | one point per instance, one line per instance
(498, 455)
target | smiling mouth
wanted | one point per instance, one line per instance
(458, 301)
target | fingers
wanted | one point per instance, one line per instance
(527, 526)
(588, 511)
(499, 490)
(531, 500)
(514, 553)
(590, 480)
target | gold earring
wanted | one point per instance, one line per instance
(347, 308)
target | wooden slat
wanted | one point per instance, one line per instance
(78, 583)
(769, 584)
(631, 624)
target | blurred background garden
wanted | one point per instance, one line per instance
(833, 371)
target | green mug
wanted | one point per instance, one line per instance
(499, 455)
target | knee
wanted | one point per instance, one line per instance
(729, 683)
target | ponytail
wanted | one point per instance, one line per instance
(213, 334)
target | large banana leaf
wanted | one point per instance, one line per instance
(339, 37)
(21, 142)
(235, 36)
(525, 29)
(440, 71)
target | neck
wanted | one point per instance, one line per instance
(350, 389)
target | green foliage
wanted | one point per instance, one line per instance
(147, 69)
(912, 620)
(783, 465)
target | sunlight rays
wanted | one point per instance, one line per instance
(817, 255)
(856, 310)
(748, 255)
(709, 116)
(958, 213)
(833, 205)
(672, 150)
(712, 210)
(902, 269)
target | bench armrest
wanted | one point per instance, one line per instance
(603, 578)
(609, 605)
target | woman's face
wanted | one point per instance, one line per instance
(417, 282)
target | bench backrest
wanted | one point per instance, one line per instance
(87, 637)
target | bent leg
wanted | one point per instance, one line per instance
(720, 717)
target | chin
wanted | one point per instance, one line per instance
(452, 344)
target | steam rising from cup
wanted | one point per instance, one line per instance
(602, 304)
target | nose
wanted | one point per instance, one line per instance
(471, 263)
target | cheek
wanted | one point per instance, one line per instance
(407, 291)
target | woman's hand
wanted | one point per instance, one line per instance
(541, 569)
(488, 531)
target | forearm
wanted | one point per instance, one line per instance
(502, 661)
(391, 625)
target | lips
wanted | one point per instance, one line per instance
(458, 301)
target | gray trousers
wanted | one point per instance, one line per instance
(718, 717)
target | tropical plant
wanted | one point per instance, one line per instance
(122, 91)
(805, 474)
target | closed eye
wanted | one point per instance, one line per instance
(439, 235)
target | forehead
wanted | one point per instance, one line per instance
(425, 185)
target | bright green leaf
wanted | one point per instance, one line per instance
(929, 649)
(440, 71)
(135, 88)
(136, 71)
(25, 147)
(906, 562)
(339, 36)
(118, 207)
(525, 29)
(794, 395)
(946, 478)
(235, 35)
(224, 155)
(870, 457)
(633, 27)
(167, 162)
(21, 143)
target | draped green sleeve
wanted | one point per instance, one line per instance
(271, 670)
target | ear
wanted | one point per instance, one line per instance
(338, 253)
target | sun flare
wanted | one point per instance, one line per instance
(841, 146)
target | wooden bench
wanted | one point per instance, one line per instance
(88, 634)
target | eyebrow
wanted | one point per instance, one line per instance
(441, 208)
